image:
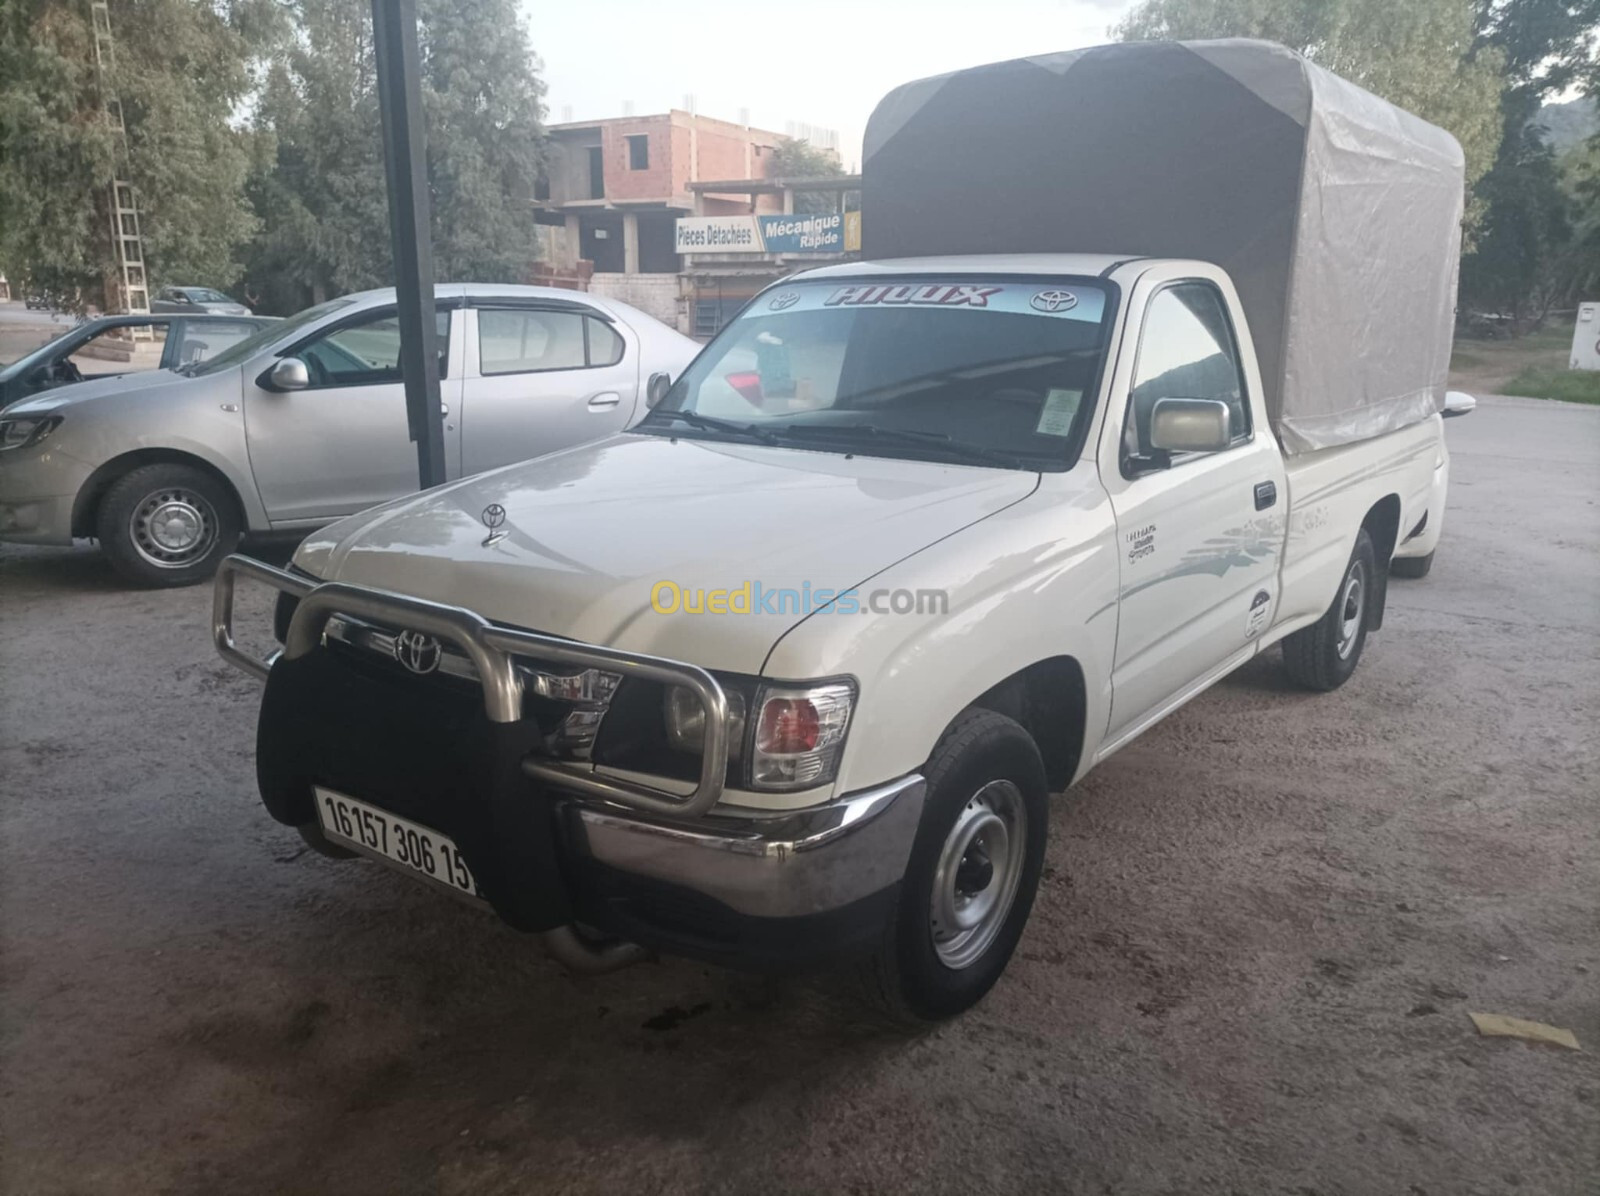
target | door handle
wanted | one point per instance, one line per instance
(604, 401)
(1266, 495)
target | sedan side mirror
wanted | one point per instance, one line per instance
(1457, 402)
(290, 373)
(1190, 426)
(656, 389)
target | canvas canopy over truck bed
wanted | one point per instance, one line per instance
(1337, 214)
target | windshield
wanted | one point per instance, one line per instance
(39, 356)
(271, 334)
(202, 295)
(971, 370)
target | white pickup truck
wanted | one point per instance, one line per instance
(790, 670)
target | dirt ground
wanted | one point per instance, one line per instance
(1250, 968)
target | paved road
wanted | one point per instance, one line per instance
(1250, 969)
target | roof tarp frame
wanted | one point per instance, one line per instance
(1336, 214)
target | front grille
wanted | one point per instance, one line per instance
(568, 706)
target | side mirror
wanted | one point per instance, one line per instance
(656, 389)
(290, 373)
(1190, 426)
(1458, 402)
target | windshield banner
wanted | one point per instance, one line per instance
(1040, 298)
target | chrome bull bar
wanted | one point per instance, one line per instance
(493, 652)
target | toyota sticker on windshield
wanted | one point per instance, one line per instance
(1071, 303)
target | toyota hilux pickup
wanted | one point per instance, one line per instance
(789, 670)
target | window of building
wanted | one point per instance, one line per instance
(597, 172)
(639, 152)
(541, 187)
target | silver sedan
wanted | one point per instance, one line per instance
(305, 422)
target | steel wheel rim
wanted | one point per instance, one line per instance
(1352, 606)
(173, 527)
(979, 871)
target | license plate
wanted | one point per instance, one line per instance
(417, 849)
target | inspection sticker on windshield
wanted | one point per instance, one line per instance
(1060, 408)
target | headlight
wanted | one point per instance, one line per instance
(686, 720)
(24, 430)
(799, 730)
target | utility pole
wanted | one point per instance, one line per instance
(132, 290)
(394, 37)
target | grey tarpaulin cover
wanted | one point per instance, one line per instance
(1337, 214)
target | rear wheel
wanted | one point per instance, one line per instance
(1322, 656)
(973, 872)
(167, 525)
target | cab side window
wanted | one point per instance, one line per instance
(1186, 351)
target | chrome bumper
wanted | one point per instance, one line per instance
(768, 866)
(496, 655)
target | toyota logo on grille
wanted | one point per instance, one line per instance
(419, 653)
(1054, 301)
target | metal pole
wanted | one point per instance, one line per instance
(394, 36)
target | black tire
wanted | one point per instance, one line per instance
(906, 977)
(1322, 657)
(167, 500)
(1411, 567)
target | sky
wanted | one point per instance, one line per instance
(824, 63)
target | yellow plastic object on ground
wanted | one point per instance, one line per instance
(1495, 1025)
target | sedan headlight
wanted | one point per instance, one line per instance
(24, 430)
(798, 735)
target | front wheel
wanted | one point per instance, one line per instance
(1322, 656)
(973, 872)
(167, 525)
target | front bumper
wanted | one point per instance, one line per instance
(38, 487)
(551, 842)
(36, 520)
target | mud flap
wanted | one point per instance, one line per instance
(424, 749)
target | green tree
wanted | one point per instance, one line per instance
(1424, 55)
(181, 70)
(1518, 266)
(318, 181)
(794, 158)
(1522, 262)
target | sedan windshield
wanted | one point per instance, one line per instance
(272, 333)
(971, 371)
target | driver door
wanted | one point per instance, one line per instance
(343, 444)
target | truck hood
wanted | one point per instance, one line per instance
(590, 533)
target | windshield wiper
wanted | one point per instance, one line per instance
(938, 441)
(709, 423)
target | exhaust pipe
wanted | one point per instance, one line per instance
(590, 959)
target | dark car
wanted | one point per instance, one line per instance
(187, 301)
(123, 345)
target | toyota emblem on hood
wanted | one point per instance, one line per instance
(493, 516)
